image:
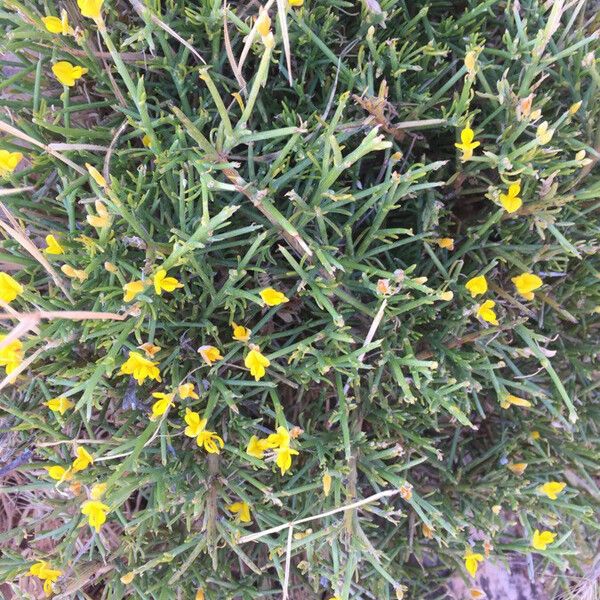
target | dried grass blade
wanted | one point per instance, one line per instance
(282, 14)
(18, 234)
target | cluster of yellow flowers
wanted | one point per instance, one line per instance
(525, 284)
(65, 72)
(279, 443)
(142, 368)
(510, 200)
(540, 539)
(93, 509)
(196, 428)
(161, 282)
(82, 461)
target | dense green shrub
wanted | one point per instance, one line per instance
(339, 184)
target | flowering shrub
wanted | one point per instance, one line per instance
(298, 300)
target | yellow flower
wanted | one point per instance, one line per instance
(141, 368)
(59, 473)
(210, 441)
(240, 333)
(535, 435)
(272, 297)
(43, 571)
(132, 289)
(472, 561)
(52, 246)
(326, 482)
(511, 201)
(284, 458)
(543, 135)
(575, 107)
(186, 390)
(98, 490)
(78, 274)
(541, 540)
(195, 424)
(447, 243)
(200, 594)
(53, 24)
(242, 509)
(295, 2)
(10, 288)
(427, 531)
(160, 407)
(83, 460)
(146, 140)
(103, 219)
(263, 23)
(256, 362)
(526, 283)
(127, 578)
(95, 512)
(517, 468)
(467, 144)
(486, 312)
(90, 8)
(61, 405)
(510, 400)
(477, 285)
(67, 73)
(210, 354)
(9, 161)
(56, 25)
(37, 568)
(150, 349)
(11, 355)
(552, 489)
(257, 447)
(281, 439)
(164, 283)
(46, 574)
(97, 177)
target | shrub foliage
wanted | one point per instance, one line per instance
(330, 173)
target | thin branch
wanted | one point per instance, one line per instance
(260, 534)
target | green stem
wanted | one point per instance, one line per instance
(131, 87)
